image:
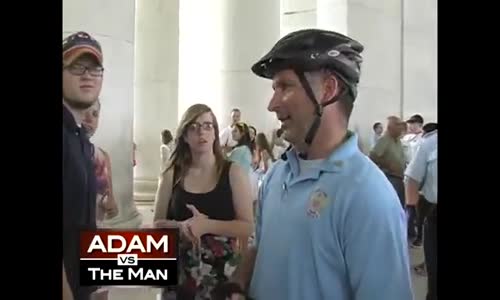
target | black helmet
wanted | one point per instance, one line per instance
(314, 49)
(310, 50)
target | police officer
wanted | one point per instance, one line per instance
(422, 172)
(329, 224)
(82, 82)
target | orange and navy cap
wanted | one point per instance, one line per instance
(78, 44)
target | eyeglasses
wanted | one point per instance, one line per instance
(195, 126)
(79, 70)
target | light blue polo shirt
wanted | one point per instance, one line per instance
(336, 231)
(424, 166)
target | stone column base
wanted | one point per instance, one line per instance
(145, 189)
(130, 220)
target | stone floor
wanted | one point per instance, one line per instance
(145, 293)
(419, 282)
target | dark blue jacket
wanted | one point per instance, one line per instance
(79, 198)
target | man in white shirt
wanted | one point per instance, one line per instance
(378, 129)
(410, 142)
(278, 143)
(421, 174)
(412, 138)
(225, 137)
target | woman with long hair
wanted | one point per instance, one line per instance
(263, 160)
(253, 134)
(208, 198)
(264, 153)
(106, 205)
(242, 153)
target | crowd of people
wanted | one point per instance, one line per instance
(407, 154)
(304, 215)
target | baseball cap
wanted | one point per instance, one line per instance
(415, 119)
(429, 127)
(78, 44)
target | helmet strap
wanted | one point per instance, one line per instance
(318, 108)
(309, 92)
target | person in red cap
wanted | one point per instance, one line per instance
(82, 72)
(82, 82)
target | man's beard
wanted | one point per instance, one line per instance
(77, 104)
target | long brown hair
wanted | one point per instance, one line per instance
(181, 156)
(245, 135)
(261, 141)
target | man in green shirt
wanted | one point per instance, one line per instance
(388, 154)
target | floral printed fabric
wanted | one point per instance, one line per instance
(202, 268)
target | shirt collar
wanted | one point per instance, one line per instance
(335, 162)
(430, 133)
(70, 123)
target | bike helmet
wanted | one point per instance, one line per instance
(311, 50)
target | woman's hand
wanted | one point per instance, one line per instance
(197, 224)
(184, 230)
(195, 211)
(165, 223)
(197, 227)
(192, 228)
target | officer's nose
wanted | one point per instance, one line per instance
(274, 102)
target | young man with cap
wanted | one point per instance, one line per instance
(82, 81)
(412, 138)
(410, 142)
(329, 224)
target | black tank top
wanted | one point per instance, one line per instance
(216, 204)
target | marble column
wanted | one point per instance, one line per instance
(332, 15)
(111, 22)
(200, 55)
(251, 28)
(378, 26)
(297, 14)
(219, 49)
(420, 59)
(156, 85)
(399, 74)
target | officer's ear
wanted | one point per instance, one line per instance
(331, 87)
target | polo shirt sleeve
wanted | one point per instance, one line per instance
(374, 243)
(416, 168)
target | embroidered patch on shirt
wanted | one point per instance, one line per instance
(317, 202)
